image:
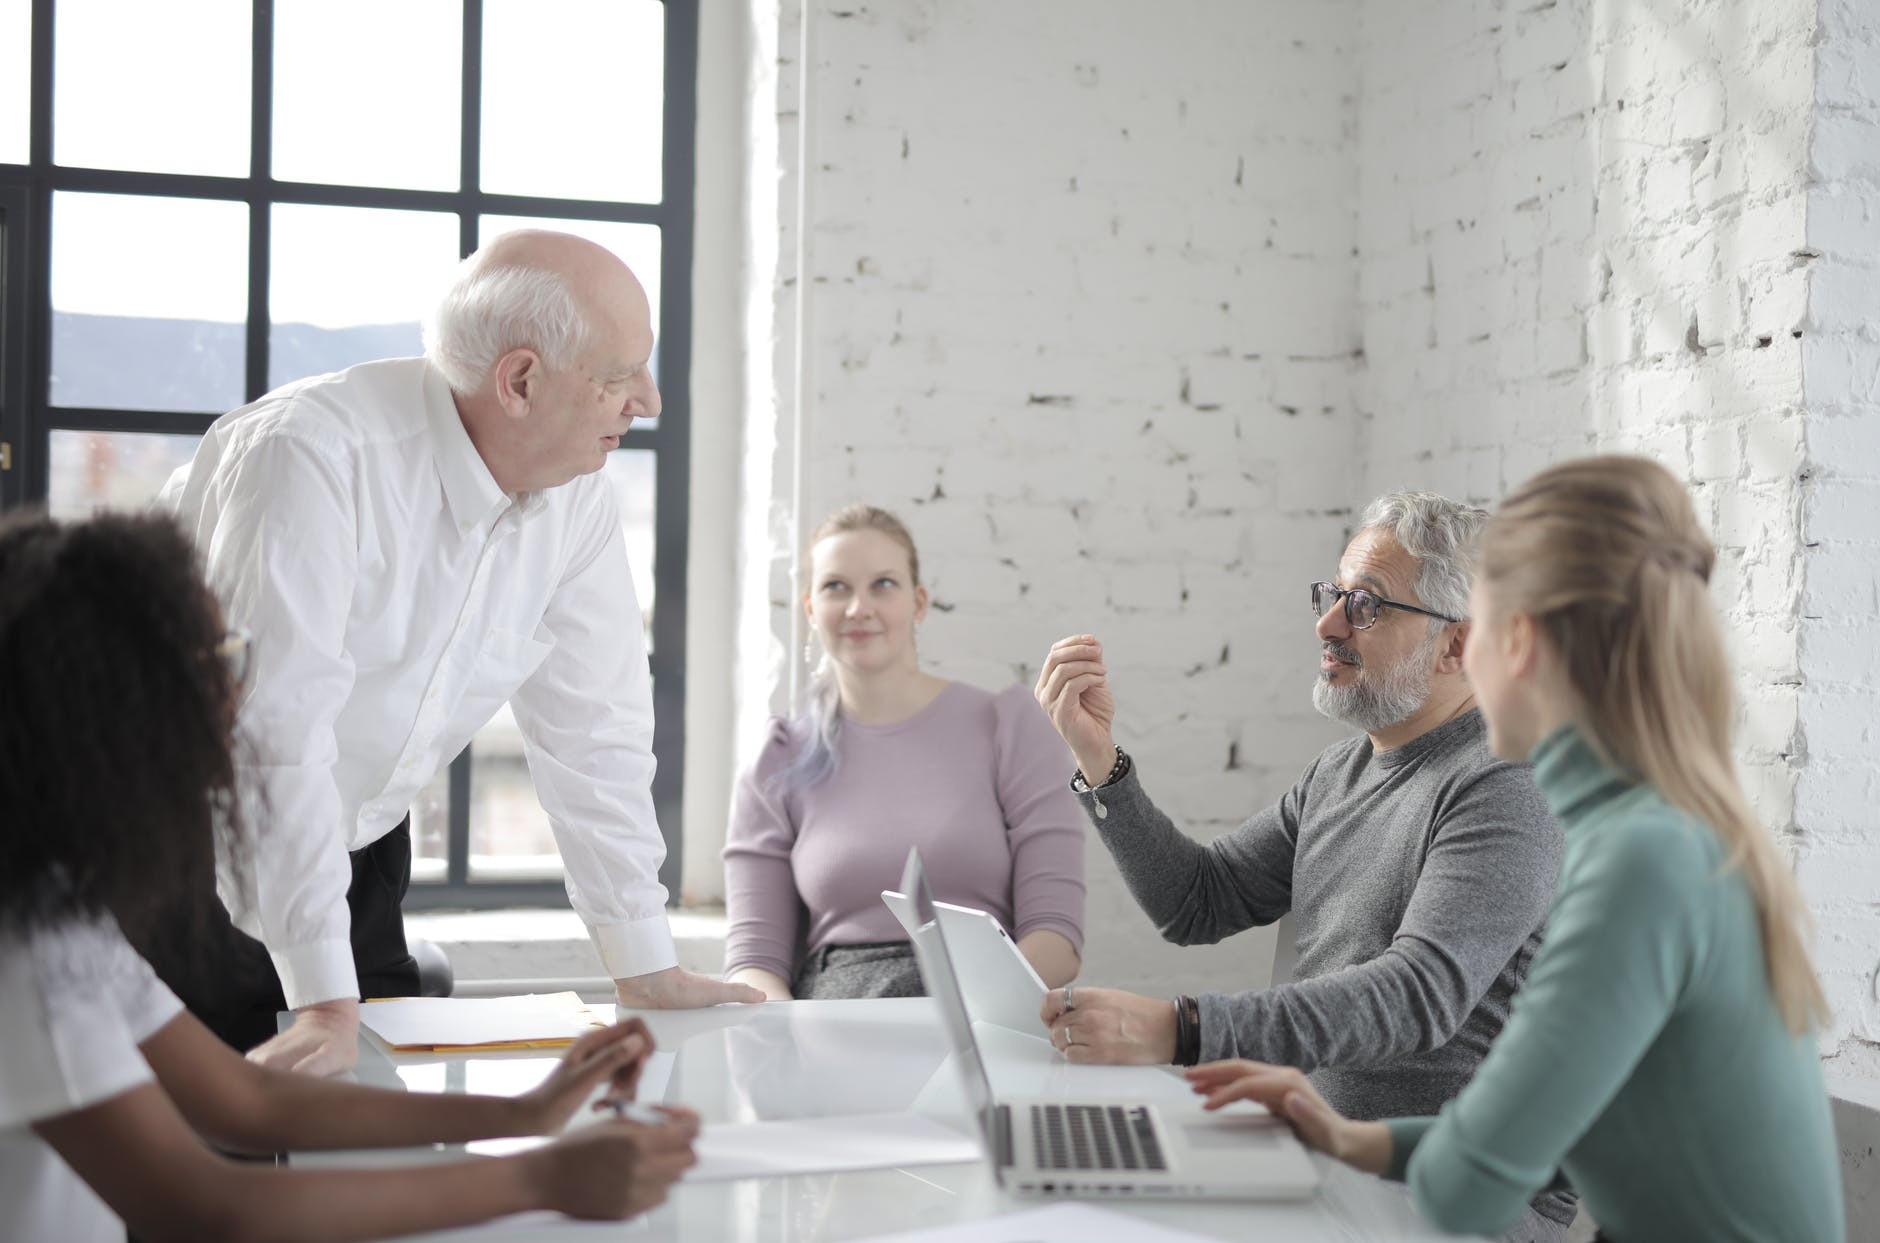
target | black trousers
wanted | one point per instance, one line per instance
(227, 980)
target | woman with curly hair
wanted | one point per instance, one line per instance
(116, 778)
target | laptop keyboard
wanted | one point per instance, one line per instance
(1094, 1137)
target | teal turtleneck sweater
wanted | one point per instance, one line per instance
(1645, 1062)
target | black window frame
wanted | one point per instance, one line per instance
(27, 419)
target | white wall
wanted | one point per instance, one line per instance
(1080, 307)
(1125, 307)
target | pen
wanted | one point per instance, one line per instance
(634, 1111)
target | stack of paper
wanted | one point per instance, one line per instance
(462, 1024)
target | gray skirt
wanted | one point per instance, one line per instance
(886, 969)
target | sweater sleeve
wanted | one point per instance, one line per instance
(1196, 894)
(763, 910)
(1041, 820)
(1491, 867)
(1623, 941)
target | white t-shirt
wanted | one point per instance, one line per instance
(74, 1005)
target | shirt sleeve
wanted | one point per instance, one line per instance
(1042, 820)
(1482, 891)
(278, 535)
(1623, 939)
(586, 717)
(763, 907)
(1196, 894)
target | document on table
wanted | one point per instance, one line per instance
(827, 1145)
(461, 1024)
(1061, 1223)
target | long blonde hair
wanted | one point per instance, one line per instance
(1606, 554)
(821, 713)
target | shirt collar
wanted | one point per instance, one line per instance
(469, 488)
(1571, 776)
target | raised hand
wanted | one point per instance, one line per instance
(1074, 690)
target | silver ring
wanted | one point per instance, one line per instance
(1068, 1003)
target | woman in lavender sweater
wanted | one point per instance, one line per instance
(889, 757)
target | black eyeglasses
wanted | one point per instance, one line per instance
(1361, 606)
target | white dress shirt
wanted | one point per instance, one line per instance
(79, 1002)
(396, 597)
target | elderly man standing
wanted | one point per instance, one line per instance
(410, 543)
(1418, 867)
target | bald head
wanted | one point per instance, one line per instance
(553, 293)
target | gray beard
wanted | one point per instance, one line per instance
(1377, 701)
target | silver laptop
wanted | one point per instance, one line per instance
(1117, 1148)
(999, 984)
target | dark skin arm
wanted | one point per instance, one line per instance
(243, 1105)
(139, 1153)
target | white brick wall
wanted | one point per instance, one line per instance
(1126, 308)
(1081, 308)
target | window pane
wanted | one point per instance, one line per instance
(138, 86)
(631, 472)
(430, 829)
(397, 119)
(509, 834)
(636, 244)
(89, 471)
(573, 98)
(16, 80)
(149, 299)
(349, 284)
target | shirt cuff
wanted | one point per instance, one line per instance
(1405, 1134)
(316, 971)
(635, 947)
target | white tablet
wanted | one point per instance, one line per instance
(1000, 986)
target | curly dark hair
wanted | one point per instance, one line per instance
(116, 764)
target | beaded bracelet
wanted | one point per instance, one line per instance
(1081, 784)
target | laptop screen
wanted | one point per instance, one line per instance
(936, 969)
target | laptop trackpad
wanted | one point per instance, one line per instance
(1240, 1133)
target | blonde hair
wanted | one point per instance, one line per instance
(822, 707)
(1606, 554)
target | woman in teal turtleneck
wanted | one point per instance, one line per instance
(1661, 1057)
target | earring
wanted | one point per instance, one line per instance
(809, 651)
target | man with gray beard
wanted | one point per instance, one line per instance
(1417, 867)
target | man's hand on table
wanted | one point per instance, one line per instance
(323, 1040)
(1110, 1026)
(678, 989)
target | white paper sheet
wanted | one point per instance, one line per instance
(430, 1022)
(1061, 1223)
(827, 1145)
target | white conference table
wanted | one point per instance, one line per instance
(831, 1058)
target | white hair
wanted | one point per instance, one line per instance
(1442, 535)
(492, 309)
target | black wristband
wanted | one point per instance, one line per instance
(1187, 1031)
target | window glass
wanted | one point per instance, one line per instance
(89, 471)
(16, 80)
(509, 834)
(350, 284)
(149, 302)
(139, 86)
(573, 98)
(379, 111)
(636, 244)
